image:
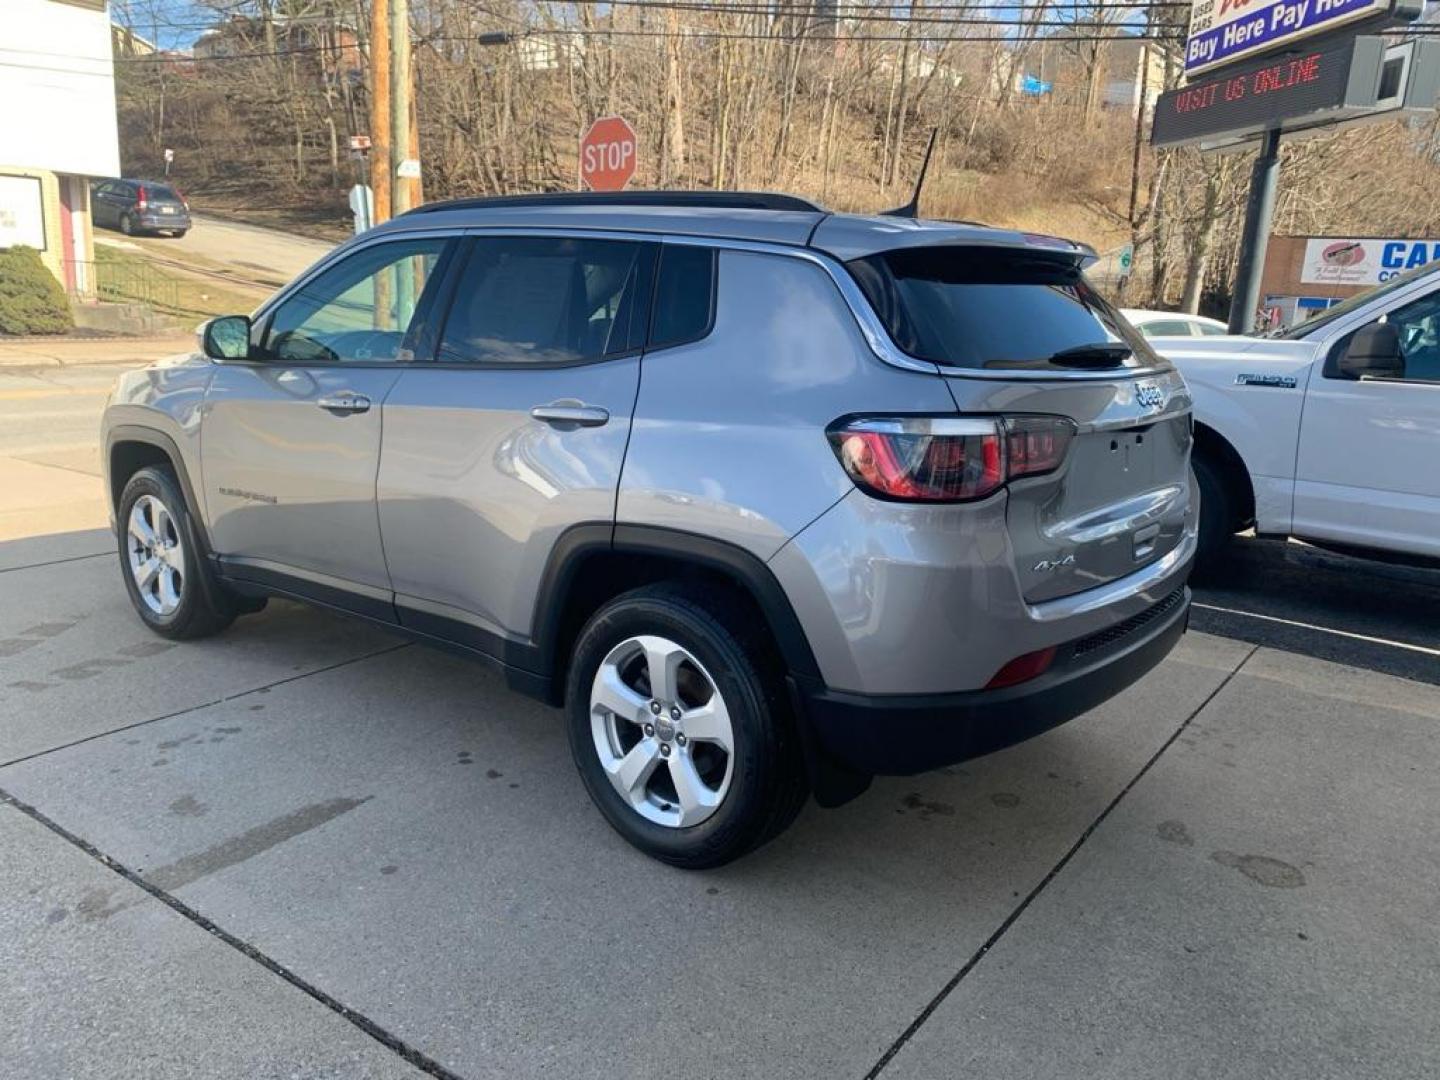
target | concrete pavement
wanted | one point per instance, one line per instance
(392, 829)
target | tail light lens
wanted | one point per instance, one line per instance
(1036, 444)
(947, 459)
(140, 200)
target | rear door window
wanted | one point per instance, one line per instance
(548, 300)
(995, 309)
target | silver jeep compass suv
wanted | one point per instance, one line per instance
(771, 499)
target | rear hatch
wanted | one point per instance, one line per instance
(162, 200)
(1017, 331)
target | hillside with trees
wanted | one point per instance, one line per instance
(1034, 104)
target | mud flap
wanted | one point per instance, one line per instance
(832, 782)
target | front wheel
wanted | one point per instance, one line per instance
(679, 730)
(169, 580)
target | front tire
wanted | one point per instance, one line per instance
(168, 578)
(679, 727)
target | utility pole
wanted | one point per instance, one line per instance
(1259, 209)
(402, 196)
(380, 166)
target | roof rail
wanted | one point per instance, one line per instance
(719, 200)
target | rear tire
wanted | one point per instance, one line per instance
(1217, 514)
(127, 225)
(639, 765)
(170, 581)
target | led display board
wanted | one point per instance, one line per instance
(1286, 92)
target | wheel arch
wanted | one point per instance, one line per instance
(130, 448)
(1218, 450)
(594, 563)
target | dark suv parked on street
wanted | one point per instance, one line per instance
(139, 206)
(771, 499)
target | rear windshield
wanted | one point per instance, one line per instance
(993, 308)
(160, 192)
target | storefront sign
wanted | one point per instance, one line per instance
(1225, 30)
(1344, 261)
(22, 212)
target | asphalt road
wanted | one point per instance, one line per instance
(252, 252)
(308, 849)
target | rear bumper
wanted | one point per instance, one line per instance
(164, 222)
(893, 734)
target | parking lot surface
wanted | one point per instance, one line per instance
(306, 848)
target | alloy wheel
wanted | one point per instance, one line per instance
(662, 731)
(156, 555)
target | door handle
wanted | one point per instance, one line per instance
(571, 416)
(344, 403)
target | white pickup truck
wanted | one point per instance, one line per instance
(1329, 433)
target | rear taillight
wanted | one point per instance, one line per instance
(140, 200)
(947, 459)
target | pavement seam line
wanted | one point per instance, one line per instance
(55, 562)
(356, 1019)
(1014, 916)
(205, 704)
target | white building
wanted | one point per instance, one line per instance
(57, 129)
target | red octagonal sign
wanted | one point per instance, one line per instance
(607, 154)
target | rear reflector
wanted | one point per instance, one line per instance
(1023, 669)
(948, 458)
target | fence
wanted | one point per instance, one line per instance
(124, 283)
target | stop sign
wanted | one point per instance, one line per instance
(607, 154)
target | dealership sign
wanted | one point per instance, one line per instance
(1226, 30)
(1343, 261)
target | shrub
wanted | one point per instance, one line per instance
(31, 300)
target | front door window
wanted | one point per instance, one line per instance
(359, 310)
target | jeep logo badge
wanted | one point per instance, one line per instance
(1150, 395)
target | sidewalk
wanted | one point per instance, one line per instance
(67, 351)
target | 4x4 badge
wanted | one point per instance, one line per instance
(1150, 395)
(1046, 565)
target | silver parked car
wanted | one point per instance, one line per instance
(770, 499)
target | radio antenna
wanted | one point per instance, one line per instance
(911, 208)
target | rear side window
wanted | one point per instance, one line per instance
(993, 308)
(546, 300)
(684, 295)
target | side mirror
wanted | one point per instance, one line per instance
(226, 338)
(1373, 350)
